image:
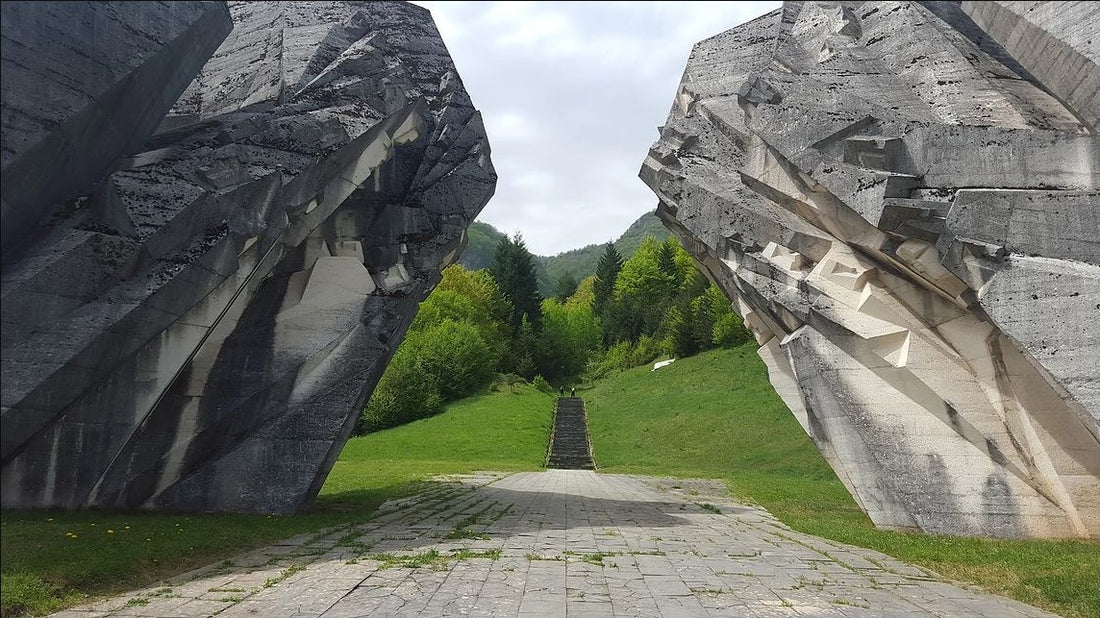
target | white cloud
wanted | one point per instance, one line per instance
(547, 32)
(512, 126)
(572, 93)
(534, 183)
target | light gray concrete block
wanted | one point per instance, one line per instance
(902, 206)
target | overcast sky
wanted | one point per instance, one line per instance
(572, 94)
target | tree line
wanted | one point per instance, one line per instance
(478, 326)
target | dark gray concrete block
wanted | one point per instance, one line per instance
(199, 323)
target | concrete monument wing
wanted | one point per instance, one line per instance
(901, 199)
(210, 253)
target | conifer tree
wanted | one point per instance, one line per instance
(564, 287)
(513, 270)
(607, 271)
(666, 259)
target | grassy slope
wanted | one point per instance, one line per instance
(44, 570)
(714, 415)
(506, 430)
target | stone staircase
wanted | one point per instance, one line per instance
(570, 448)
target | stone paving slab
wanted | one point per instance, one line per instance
(559, 543)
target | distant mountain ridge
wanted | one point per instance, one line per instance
(484, 238)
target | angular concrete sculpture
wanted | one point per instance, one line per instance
(901, 200)
(197, 302)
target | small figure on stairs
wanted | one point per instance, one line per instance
(572, 391)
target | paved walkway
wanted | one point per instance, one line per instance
(560, 543)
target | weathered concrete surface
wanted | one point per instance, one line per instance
(1055, 41)
(200, 330)
(561, 543)
(83, 87)
(909, 222)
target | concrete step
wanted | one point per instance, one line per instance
(569, 446)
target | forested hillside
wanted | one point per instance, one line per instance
(577, 263)
(482, 245)
(580, 263)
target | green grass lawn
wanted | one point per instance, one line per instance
(53, 560)
(714, 415)
(504, 430)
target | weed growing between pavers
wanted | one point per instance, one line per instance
(710, 591)
(843, 601)
(466, 554)
(145, 599)
(595, 558)
(224, 589)
(500, 514)
(803, 582)
(534, 557)
(709, 507)
(431, 559)
(462, 531)
(466, 533)
(351, 541)
(287, 572)
(753, 554)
